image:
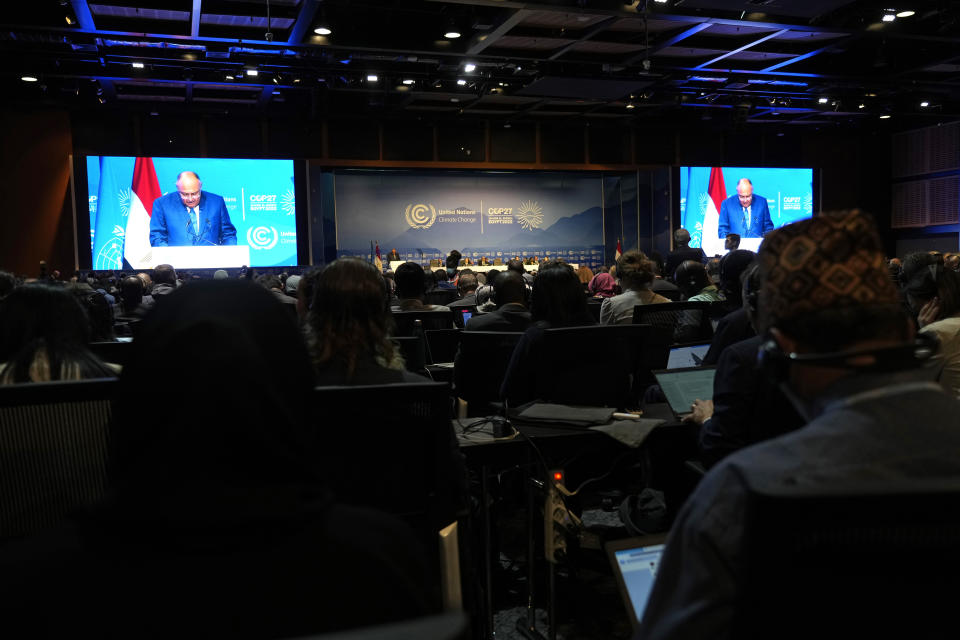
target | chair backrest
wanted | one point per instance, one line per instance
(873, 561)
(392, 447)
(681, 321)
(115, 352)
(591, 365)
(53, 451)
(404, 320)
(441, 296)
(593, 306)
(482, 362)
(414, 352)
(672, 295)
(442, 344)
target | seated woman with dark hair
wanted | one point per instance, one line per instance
(557, 301)
(349, 327)
(218, 522)
(636, 277)
(44, 334)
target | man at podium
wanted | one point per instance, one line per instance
(190, 217)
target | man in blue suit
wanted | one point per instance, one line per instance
(744, 214)
(190, 217)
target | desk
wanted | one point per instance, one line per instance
(530, 268)
(488, 457)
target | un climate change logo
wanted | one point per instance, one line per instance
(262, 237)
(420, 216)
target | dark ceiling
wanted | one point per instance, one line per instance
(800, 62)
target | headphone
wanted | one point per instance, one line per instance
(772, 360)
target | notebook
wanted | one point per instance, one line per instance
(683, 386)
(635, 562)
(690, 355)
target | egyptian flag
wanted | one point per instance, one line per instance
(618, 252)
(145, 189)
(717, 193)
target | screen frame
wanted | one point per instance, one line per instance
(81, 195)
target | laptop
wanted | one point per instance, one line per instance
(635, 562)
(688, 355)
(683, 386)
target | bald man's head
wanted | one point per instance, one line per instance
(745, 192)
(188, 185)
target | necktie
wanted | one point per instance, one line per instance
(193, 221)
(746, 219)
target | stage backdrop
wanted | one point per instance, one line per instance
(789, 194)
(496, 215)
(259, 196)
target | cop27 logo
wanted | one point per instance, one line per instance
(420, 216)
(262, 237)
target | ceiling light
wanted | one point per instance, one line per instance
(28, 78)
(461, 82)
(469, 67)
(408, 81)
(905, 14)
(823, 100)
(252, 73)
(862, 106)
(889, 17)
(454, 99)
(372, 77)
(452, 34)
(137, 65)
(322, 31)
(924, 104)
(885, 116)
(660, 1)
(630, 105)
(229, 76)
(69, 21)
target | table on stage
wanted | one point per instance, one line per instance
(532, 268)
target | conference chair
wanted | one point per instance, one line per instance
(392, 447)
(479, 368)
(594, 308)
(53, 451)
(591, 365)
(404, 320)
(681, 321)
(441, 296)
(442, 344)
(113, 352)
(869, 560)
(414, 352)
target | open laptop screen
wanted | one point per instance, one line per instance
(635, 562)
(690, 355)
(683, 386)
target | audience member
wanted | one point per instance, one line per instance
(218, 522)
(349, 327)
(411, 289)
(731, 242)
(585, 274)
(933, 293)
(441, 280)
(164, 281)
(735, 325)
(660, 284)
(99, 314)
(557, 301)
(511, 314)
(516, 265)
(7, 283)
(467, 288)
(636, 276)
(485, 302)
(692, 279)
(603, 285)
(847, 359)
(44, 332)
(682, 252)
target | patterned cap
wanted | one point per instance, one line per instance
(832, 261)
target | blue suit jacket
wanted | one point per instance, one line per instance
(170, 222)
(731, 218)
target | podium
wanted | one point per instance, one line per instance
(219, 257)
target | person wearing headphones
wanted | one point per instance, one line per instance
(844, 351)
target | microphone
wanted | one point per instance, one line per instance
(206, 225)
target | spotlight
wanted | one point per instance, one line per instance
(461, 82)
(924, 104)
(885, 116)
(229, 76)
(823, 100)
(28, 78)
(452, 34)
(469, 67)
(137, 65)
(408, 81)
(862, 106)
(252, 73)
(889, 17)
(630, 105)
(372, 77)
(322, 31)
(905, 14)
